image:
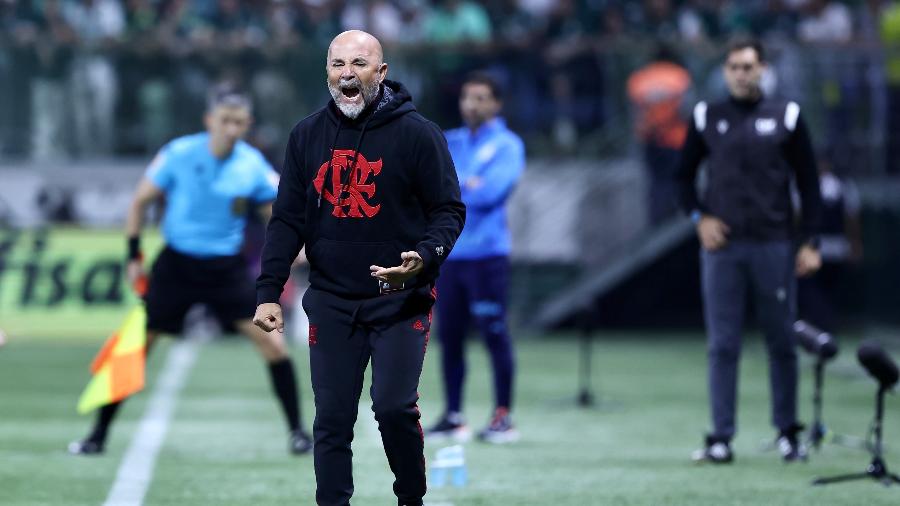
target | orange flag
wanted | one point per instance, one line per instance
(118, 368)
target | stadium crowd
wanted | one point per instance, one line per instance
(108, 77)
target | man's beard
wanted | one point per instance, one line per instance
(369, 94)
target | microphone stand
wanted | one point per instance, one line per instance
(818, 432)
(877, 469)
(585, 398)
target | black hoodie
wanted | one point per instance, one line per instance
(401, 194)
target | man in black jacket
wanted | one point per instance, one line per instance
(367, 183)
(754, 147)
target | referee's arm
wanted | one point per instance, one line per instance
(284, 233)
(145, 194)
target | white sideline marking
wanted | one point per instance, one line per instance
(136, 470)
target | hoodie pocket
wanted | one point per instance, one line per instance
(342, 267)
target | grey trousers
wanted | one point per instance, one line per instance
(764, 269)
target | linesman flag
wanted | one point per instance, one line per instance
(118, 368)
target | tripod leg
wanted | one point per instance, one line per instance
(894, 478)
(840, 478)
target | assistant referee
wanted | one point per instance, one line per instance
(209, 180)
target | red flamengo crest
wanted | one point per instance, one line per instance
(353, 199)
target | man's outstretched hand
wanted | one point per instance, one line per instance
(411, 264)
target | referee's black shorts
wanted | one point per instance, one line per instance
(178, 281)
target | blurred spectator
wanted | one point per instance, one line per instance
(7, 89)
(575, 84)
(233, 22)
(51, 38)
(657, 91)
(278, 102)
(381, 18)
(516, 21)
(319, 21)
(872, 73)
(699, 20)
(826, 22)
(474, 282)
(98, 23)
(659, 20)
(890, 36)
(457, 21)
(137, 70)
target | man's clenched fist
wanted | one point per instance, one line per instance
(268, 317)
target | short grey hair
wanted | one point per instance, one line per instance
(229, 95)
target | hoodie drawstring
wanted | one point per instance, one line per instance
(353, 163)
(330, 163)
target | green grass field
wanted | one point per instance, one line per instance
(226, 443)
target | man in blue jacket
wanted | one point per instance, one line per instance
(489, 160)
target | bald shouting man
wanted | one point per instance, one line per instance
(368, 186)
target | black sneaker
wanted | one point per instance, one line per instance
(450, 426)
(85, 447)
(299, 442)
(789, 445)
(500, 430)
(714, 451)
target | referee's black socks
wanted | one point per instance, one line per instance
(284, 382)
(105, 416)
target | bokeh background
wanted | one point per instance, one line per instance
(91, 89)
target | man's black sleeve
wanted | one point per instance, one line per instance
(798, 152)
(284, 234)
(692, 153)
(438, 190)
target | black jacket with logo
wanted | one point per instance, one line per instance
(360, 192)
(754, 150)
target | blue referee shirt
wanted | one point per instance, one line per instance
(488, 163)
(207, 198)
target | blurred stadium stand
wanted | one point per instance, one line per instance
(90, 89)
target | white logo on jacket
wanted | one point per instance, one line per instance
(486, 152)
(766, 126)
(722, 126)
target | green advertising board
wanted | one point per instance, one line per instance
(66, 283)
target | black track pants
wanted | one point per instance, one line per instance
(344, 336)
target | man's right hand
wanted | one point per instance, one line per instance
(713, 232)
(135, 271)
(268, 317)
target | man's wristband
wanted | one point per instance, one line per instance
(134, 248)
(696, 215)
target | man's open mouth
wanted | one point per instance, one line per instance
(350, 92)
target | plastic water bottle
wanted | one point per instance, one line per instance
(449, 462)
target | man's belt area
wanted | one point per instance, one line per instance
(385, 288)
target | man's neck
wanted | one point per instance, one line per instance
(474, 129)
(220, 151)
(751, 98)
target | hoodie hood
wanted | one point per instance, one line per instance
(393, 101)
